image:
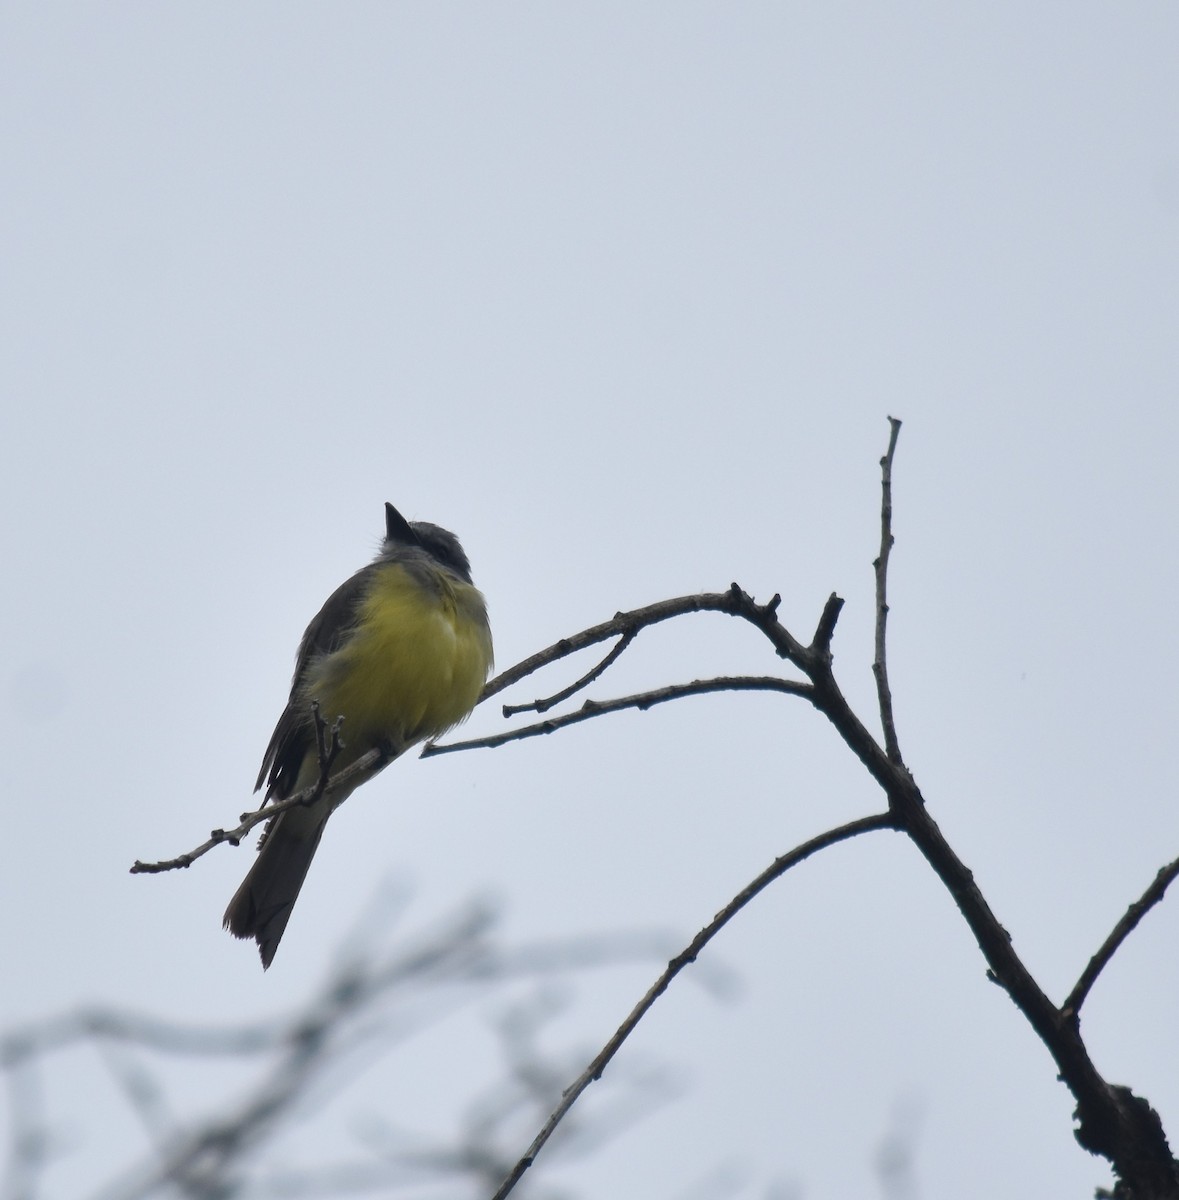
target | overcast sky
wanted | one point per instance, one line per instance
(623, 294)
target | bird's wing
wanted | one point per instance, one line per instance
(294, 735)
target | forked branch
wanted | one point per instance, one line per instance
(1112, 1121)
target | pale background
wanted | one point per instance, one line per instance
(623, 294)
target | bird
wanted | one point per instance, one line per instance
(401, 651)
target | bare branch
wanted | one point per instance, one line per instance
(1113, 1122)
(641, 701)
(880, 665)
(1122, 930)
(369, 763)
(594, 1071)
(734, 602)
(543, 706)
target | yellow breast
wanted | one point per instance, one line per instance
(414, 666)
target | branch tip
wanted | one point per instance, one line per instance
(880, 570)
(1164, 877)
(825, 630)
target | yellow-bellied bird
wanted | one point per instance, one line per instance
(401, 651)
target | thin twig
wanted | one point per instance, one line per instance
(371, 761)
(543, 706)
(880, 665)
(1122, 930)
(641, 701)
(595, 1069)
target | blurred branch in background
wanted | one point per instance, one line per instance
(286, 1068)
(896, 1153)
(370, 1005)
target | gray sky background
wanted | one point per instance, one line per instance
(623, 294)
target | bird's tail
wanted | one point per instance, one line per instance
(262, 905)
